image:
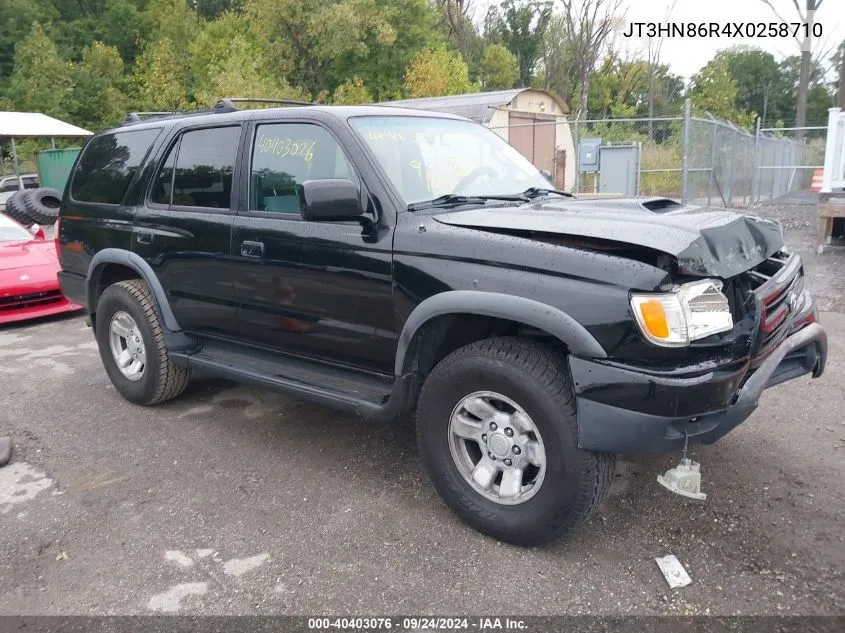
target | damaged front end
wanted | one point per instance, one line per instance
(690, 354)
(626, 407)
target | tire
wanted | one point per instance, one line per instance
(574, 481)
(159, 379)
(42, 205)
(16, 207)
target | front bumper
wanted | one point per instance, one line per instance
(622, 409)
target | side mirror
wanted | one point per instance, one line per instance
(330, 199)
(37, 231)
(548, 176)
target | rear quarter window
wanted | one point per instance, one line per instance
(108, 164)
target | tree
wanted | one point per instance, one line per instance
(455, 18)
(382, 68)
(41, 80)
(98, 100)
(228, 59)
(519, 25)
(715, 90)
(351, 92)
(160, 78)
(17, 18)
(327, 41)
(820, 93)
(654, 48)
(437, 72)
(212, 9)
(759, 82)
(558, 62)
(117, 23)
(806, 43)
(175, 20)
(588, 24)
(499, 68)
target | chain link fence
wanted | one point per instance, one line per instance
(696, 158)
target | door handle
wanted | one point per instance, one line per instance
(143, 237)
(252, 249)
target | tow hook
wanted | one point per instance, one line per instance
(685, 478)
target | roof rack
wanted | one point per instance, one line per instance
(227, 104)
(231, 101)
(137, 117)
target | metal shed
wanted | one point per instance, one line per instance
(533, 121)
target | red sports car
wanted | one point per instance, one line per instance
(29, 287)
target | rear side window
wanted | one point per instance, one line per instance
(198, 170)
(108, 164)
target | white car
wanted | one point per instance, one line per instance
(10, 184)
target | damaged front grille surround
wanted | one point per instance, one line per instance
(775, 287)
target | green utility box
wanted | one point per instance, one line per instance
(54, 166)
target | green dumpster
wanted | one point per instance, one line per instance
(54, 166)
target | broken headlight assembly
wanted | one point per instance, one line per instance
(690, 312)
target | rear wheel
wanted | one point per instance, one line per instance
(131, 343)
(496, 424)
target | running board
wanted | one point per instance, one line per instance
(373, 396)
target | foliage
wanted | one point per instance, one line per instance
(91, 61)
(98, 99)
(499, 68)
(228, 60)
(351, 92)
(160, 78)
(437, 72)
(455, 22)
(715, 90)
(519, 25)
(41, 79)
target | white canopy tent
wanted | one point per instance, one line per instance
(30, 124)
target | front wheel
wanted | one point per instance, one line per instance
(496, 424)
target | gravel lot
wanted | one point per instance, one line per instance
(231, 500)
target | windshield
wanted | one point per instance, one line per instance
(11, 233)
(426, 158)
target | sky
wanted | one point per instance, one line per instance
(686, 56)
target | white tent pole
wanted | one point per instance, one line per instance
(15, 160)
(52, 142)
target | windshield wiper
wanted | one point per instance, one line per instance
(453, 199)
(536, 192)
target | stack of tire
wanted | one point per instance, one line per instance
(34, 206)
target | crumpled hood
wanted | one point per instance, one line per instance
(706, 242)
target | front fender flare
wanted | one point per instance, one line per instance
(528, 311)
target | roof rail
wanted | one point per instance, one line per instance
(137, 117)
(231, 101)
(227, 104)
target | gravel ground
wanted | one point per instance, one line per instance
(231, 500)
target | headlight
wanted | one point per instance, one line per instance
(688, 313)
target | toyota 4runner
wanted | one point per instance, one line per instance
(382, 260)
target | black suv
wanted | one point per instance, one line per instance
(380, 260)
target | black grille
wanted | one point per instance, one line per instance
(775, 283)
(19, 302)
